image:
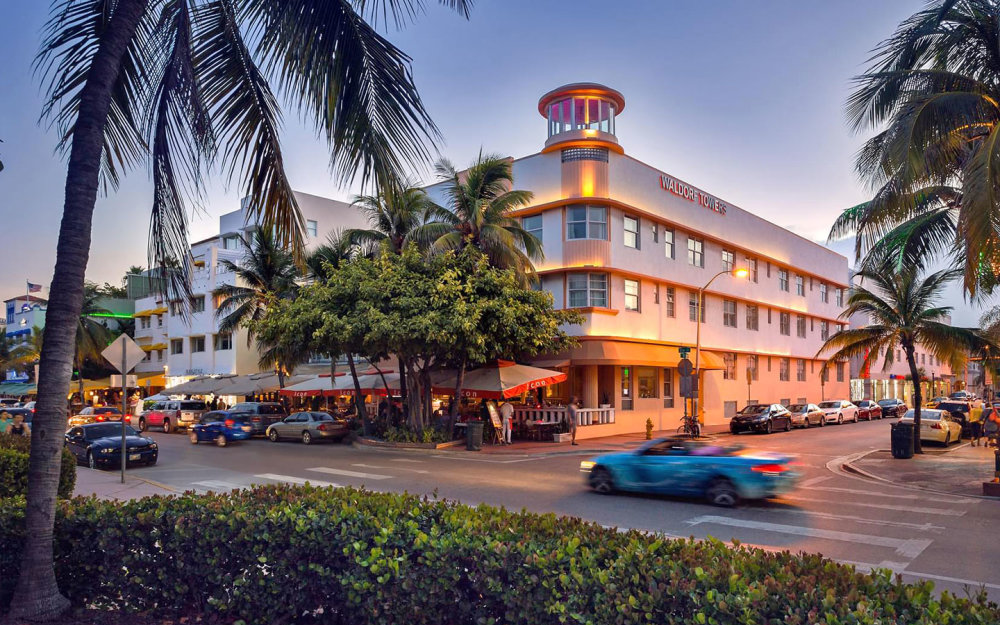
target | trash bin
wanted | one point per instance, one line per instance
(902, 440)
(474, 436)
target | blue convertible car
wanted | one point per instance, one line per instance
(222, 427)
(686, 467)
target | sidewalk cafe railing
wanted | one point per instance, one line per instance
(556, 414)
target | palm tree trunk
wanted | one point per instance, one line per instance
(359, 400)
(911, 359)
(37, 595)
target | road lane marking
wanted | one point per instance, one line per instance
(927, 527)
(883, 506)
(217, 485)
(375, 466)
(910, 548)
(816, 480)
(871, 493)
(295, 480)
(406, 460)
(346, 473)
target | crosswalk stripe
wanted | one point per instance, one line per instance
(816, 480)
(375, 466)
(871, 493)
(927, 527)
(910, 548)
(346, 473)
(294, 480)
(406, 460)
(883, 506)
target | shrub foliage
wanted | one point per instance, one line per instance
(14, 468)
(282, 554)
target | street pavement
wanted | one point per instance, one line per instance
(948, 539)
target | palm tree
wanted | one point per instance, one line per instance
(266, 271)
(395, 213)
(933, 93)
(177, 84)
(478, 213)
(902, 312)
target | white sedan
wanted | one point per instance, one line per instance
(838, 411)
(936, 425)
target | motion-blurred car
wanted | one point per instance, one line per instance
(761, 418)
(961, 395)
(686, 467)
(839, 410)
(99, 414)
(936, 425)
(221, 427)
(892, 407)
(308, 427)
(98, 445)
(806, 415)
(867, 409)
(262, 413)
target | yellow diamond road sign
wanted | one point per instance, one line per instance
(123, 348)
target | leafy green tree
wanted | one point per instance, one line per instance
(903, 312)
(478, 213)
(932, 93)
(186, 86)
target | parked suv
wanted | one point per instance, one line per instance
(173, 414)
(262, 413)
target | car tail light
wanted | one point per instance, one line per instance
(229, 423)
(770, 468)
(935, 426)
(100, 417)
(256, 419)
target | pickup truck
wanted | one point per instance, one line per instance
(172, 415)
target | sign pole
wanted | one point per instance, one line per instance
(124, 407)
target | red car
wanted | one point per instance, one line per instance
(173, 414)
(867, 409)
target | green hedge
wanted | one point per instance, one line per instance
(14, 467)
(279, 554)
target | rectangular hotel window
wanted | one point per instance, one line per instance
(176, 346)
(223, 342)
(783, 279)
(312, 228)
(587, 222)
(696, 252)
(752, 367)
(752, 269)
(783, 370)
(800, 327)
(646, 382)
(800, 370)
(669, 304)
(824, 295)
(668, 244)
(198, 304)
(656, 293)
(631, 230)
(175, 308)
(768, 269)
(626, 388)
(533, 225)
(840, 372)
(729, 313)
(768, 316)
(656, 233)
(159, 321)
(824, 330)
(632, 295)
(668, 388)
(588, 289)
(752, 317)
(729, 359)
(800, 286)
(840, 297)
(693, 307)
(144, 323)
(728, 260)
(785, 324)
(197, 344)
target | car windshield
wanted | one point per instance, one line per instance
(798, 408)
(829, 404)
(754, 409)
(953, 406)
(321, 416)
(95, 432)
(270, 409)
(886, 402)
(925, 415)
(192, 405)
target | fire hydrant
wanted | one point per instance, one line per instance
(649, 429)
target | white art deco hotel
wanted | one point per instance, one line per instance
(629, 246)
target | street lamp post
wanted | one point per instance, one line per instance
(738, 273)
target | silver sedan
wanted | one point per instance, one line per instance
(806, 415)
(308, 427)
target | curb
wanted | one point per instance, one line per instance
(848, 467)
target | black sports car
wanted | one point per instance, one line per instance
(98, 445)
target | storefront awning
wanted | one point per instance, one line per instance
(612, 352)
(153, 347)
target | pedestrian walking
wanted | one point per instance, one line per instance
(571, 419)
(991, 428)
(507, 415)
(976, 417)
(19, 427)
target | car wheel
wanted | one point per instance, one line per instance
(769, 428)
(142, 425)
(601, 481)
(788, 424)
(221, 441)
(721, 492)
(947, 439)
(193, 437)
(822, 421)
(840, 419)
(166, 426)
(91, 461)
(273, 435)
(307, 438)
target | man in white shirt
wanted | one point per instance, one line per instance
(507, 416)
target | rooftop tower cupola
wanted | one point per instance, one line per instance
(582, 115)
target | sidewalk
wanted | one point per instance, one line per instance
(108, 485)
(959, 471)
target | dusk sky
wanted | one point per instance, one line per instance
(744, 100)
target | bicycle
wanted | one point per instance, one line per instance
(690, 426)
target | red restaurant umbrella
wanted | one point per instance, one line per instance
(316, 387)
(499, 381)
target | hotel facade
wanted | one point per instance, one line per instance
(630, 246)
